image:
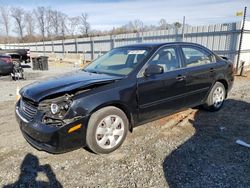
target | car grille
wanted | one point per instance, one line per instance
(27, 110)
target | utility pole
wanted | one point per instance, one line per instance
(183, 27)
(241, 37)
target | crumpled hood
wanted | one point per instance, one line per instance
(63, 84)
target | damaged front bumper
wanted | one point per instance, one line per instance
(51, 138)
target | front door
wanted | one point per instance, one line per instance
(161, 94)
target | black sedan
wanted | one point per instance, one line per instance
(126, 87)
(6, 65)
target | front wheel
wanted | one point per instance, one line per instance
(216, 97)
(107, 129)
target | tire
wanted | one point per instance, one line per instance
(216, 97)
(111, 135)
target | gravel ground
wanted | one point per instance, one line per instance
(193, 148)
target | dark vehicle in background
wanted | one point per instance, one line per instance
(22, 54)
(6, 65)
(126, 87)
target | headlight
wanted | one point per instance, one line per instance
(54, 108)
(59, 108)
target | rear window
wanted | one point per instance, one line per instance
(195, 56)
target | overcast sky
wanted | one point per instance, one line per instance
(106, 14)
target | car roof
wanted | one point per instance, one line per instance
(157, 45)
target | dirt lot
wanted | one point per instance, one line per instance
(190, 149)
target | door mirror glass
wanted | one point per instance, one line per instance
(153, 69)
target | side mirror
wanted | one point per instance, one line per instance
(223, 57)
(153, 69)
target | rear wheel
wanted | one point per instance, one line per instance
(107, 129)
(216, 97)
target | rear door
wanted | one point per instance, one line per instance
(162, 93)
(200, 73)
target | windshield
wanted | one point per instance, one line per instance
(119, 61)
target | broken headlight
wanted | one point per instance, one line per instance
(59, 108)
(55, 109)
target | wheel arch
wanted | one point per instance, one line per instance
(122, 107)
(225, 84)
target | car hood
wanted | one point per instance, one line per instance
(70, 82)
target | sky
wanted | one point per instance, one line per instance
(106, 14)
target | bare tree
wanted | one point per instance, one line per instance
(163, 24)
(177, 25)
(130, 27)
(55, 22)
(138, 25)
(73, 24)
(135, 26)
(30, 23)
(62, 24)
(18, 15)
(5, 17)
(49, 22)
(119, 30)
(85, 25)
(40, 15)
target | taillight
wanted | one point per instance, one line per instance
(6, 59)
(233, 69)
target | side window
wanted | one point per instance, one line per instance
(195, 57)
(135, 59)
(167, 58)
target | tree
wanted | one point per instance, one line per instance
(119, 30)
(85, 25)
(18, 15)
(138, 25)
(49, 22)
(30, 23)
(135, 26)
(62, 24)
(55, 22)
(177, 25)
(5, 17)
(40, 15)
(163, 24)
(73, 24)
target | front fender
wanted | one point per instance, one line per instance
(89, 102)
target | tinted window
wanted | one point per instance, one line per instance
(195, 57)
(167, 58)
